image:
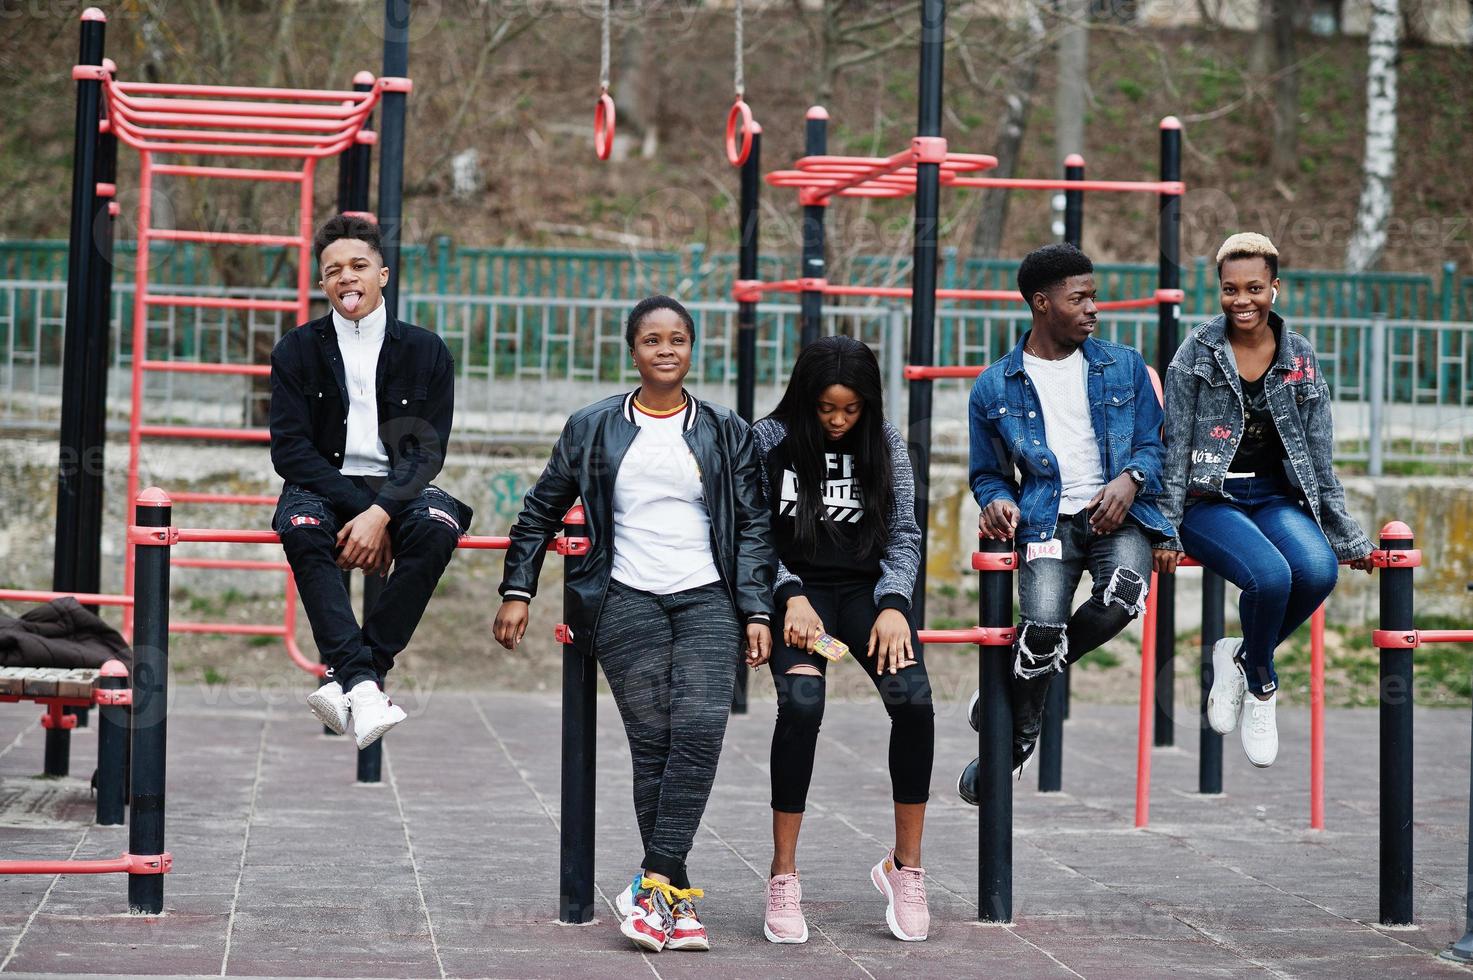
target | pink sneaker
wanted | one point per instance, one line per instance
(784, 922)
(904, 889)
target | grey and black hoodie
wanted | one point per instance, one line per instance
(840, 558)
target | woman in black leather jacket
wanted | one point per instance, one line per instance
(677, 580)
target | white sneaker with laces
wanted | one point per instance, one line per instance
(1225, 699)
(330, 705)
(1261, 730)
(373, 713)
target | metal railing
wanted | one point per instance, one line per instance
(1403, 388)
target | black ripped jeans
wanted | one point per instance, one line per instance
(848, 613)
(424, 536)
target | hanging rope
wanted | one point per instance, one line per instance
(741, 73)
(740, 114)
(603, 112)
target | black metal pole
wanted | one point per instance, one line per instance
(371, 759)
(150, 702)
(112, 749)
(923, 279)
(747, 252)
(1209, 752)
(1056, 706)
(1169, 277)
(391, 144)
(98, 343)
(1074, 202)
(580, 717)
(81, 321)
(810, 318)
(56, 756)
(355, 162)
(1396, 736)
(995, 749)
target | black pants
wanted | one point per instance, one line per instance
(424, 535)
(848, 612)
(671, 661)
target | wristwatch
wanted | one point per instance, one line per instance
(1138, 477)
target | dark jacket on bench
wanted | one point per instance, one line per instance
(60, 634)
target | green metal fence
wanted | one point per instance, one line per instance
(443, 268)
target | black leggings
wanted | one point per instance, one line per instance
(848, 612)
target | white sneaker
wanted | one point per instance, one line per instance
(373, 713)
(1261, 730)
(1225, 699)
(624, 901)
(330, 705)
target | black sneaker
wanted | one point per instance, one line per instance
(966, 783)
(1028, 695)
(974, 710)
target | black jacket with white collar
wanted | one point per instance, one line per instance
(415, 383)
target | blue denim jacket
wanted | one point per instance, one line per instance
(1204, 400)
(1007, 437)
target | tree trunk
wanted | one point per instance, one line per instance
(1368, 238)
(987, 241)
(1284, 157)
(637, 129)
(1260, 52)
(1072, 55)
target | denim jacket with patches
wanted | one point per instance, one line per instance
(1205, 419)
(1007, 437)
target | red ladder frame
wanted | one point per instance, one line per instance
(160, 121)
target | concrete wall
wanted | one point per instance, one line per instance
(1439, 510)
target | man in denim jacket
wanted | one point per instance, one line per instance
(1079, 420)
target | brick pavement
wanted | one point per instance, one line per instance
(285, 867)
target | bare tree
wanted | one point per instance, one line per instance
(848, 33)
(1368, 239)
(1284, 155)
(1072, 71)
(1021, 74)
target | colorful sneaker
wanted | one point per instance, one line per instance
(1225, 699)
(650, 925)
(784, 922)
(687, 932)
(330, 705)
(624, 902)
(906, 912)
(1261, 730)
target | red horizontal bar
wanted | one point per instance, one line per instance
(234, 149)
(240, 92)
(221, 302)
(986, 636)
(232, 120)
(200, 367)
(229, 173)
(211, 137)
(243, 564)
(229, 629)
(207, 106)
(223, 237)
(1411, 639)
(85, 598)
(1047, 184)
(1445, 636)
(916, 372)
(198, 432)
(485, 543)
(127, 864)
(260, 499)
(226, 535)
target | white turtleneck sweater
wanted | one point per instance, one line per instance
(360, 342)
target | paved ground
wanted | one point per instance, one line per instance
(284, 867)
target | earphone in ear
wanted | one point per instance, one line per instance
(1274, 298)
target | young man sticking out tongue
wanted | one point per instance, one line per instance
(361, 404)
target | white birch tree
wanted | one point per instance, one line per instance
(1368, 237)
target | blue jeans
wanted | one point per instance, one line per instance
(1266, 542)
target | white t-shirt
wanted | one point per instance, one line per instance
(662, 531)
(360, 342)
(1070, 434)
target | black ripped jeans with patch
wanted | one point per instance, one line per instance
(423, 536)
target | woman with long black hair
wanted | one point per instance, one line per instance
(842, 502)
(677, 579)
